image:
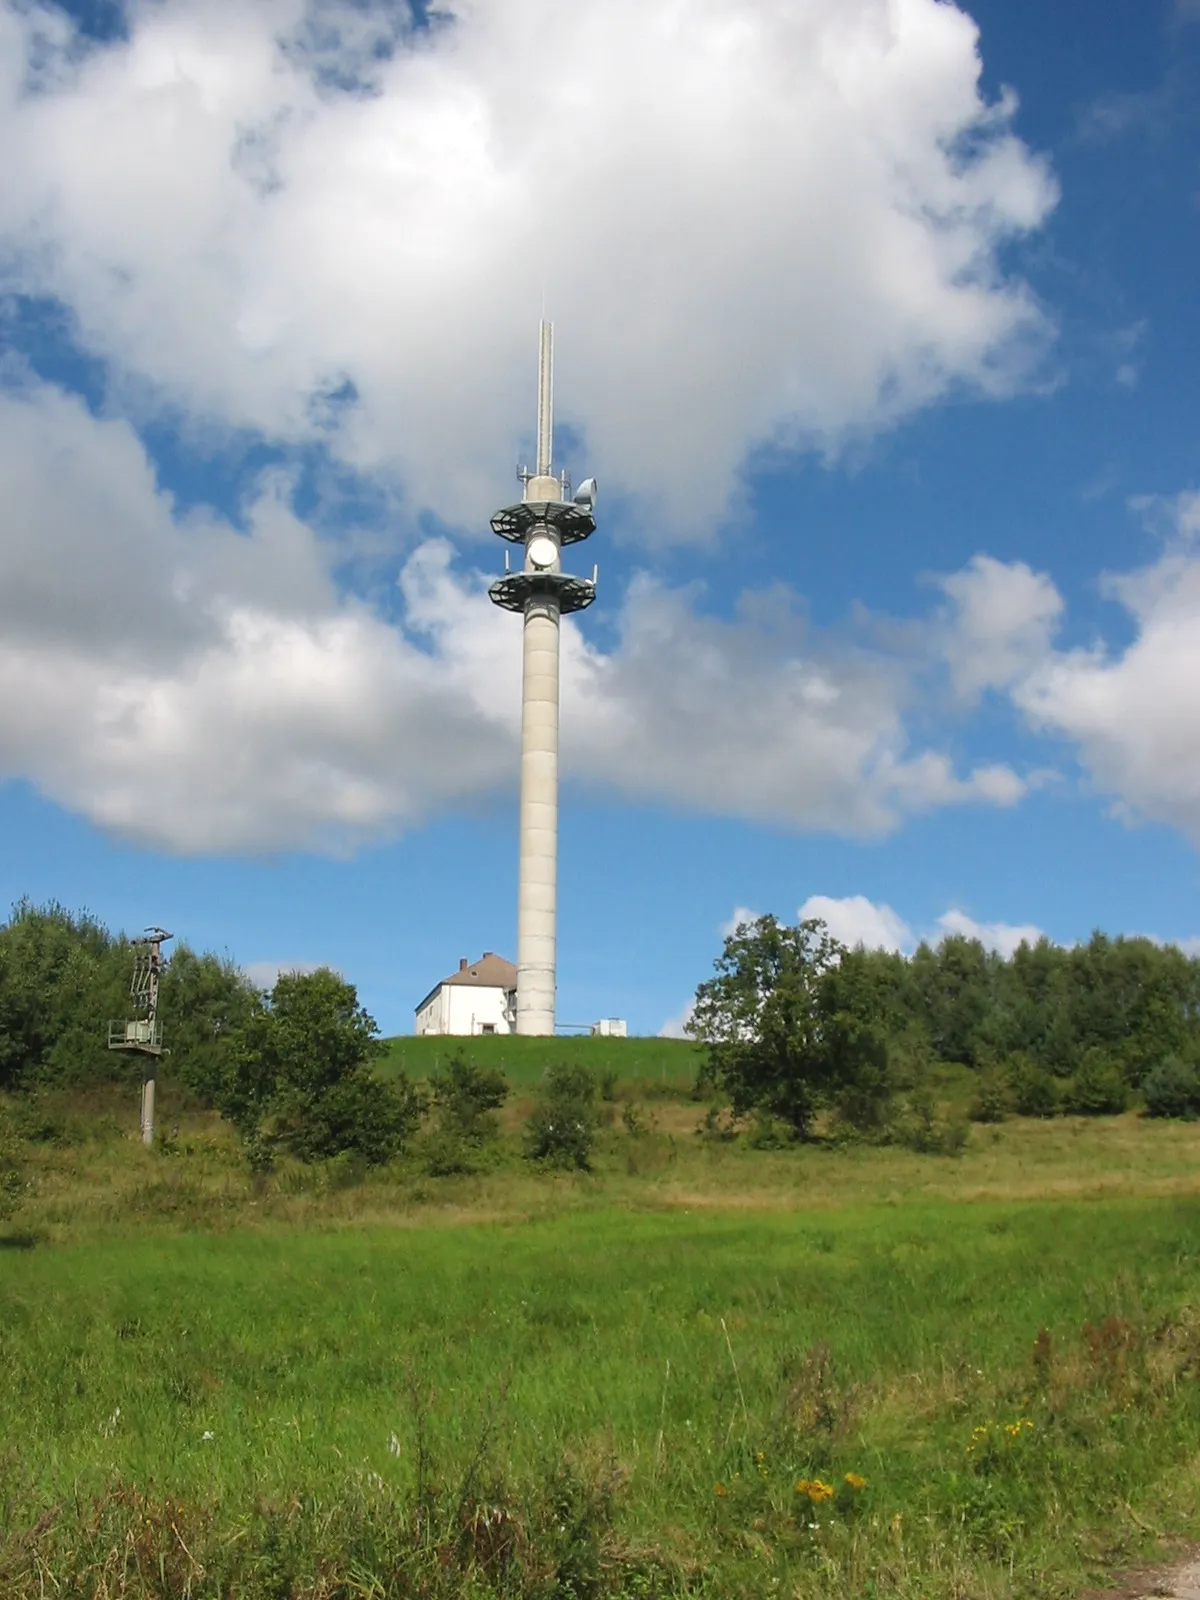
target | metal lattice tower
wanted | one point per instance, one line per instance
(142, 1035)
(541, 524)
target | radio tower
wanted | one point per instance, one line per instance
(544, 521)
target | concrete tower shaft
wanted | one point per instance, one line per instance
(537, 881)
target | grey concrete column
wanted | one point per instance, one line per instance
(538, 872)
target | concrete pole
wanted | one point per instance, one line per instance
(148, 1101)
(537, 886)
(150, 1068)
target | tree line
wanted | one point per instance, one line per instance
(795, 1027)
(794, 1023)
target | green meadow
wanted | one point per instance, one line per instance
(699, 1369)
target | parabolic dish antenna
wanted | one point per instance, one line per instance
(542, 551)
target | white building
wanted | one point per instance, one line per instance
(481, 997)
(610, 1028)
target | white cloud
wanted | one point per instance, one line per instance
(742, 916)
(675, 1027)
(1001, 619)
(200, 689)
(768, 224)
(203, 689)
(778, 727)
(265, 974)
(1131, 715)
(1002, 937)
(1134, 714)
(855, 920)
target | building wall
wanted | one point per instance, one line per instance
(429, 1018)
(465, 1009)
(610, 1028)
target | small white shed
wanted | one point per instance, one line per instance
(481, 997)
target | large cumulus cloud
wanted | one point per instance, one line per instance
(759, 223)
(202, 688)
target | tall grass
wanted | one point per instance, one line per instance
(670, 1378)
(700, 1368)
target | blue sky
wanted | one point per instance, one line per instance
(875, 319)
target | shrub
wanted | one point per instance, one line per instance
(1034, 1092)
(1172, 1089)
(1097, 1089)
(768, 1133)
(359, 1115)
(562, 1126)
(464, 1095)
(12, 1181)
(991, 1101)
(919, 1126)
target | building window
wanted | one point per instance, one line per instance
(487, 1027)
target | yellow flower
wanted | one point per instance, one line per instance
(818, 1491)
(803, 1486)
(856, 1481)
(720, 1489)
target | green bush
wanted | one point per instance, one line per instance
(919, 1125)
(768, 1133)
(464, 1095)
(12, 1178)
(1034, 1092)
(1172, 1089)
(358, 1115)
(562, 1126)
(992, 1100)
(1097, 1089)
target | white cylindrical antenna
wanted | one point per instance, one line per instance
(545, 418)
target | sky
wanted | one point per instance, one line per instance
(877, 323)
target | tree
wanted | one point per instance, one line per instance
(202, 1001)
(297, 1076)
(60, 977)
(956, 982)
(774, 1044)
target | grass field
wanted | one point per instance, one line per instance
(606, 1384)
